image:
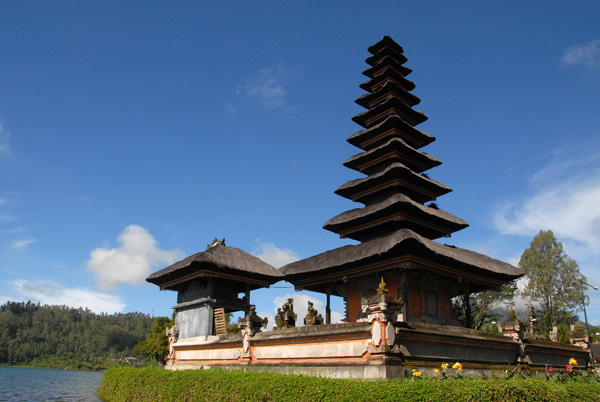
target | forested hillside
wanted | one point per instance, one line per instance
(65, 337)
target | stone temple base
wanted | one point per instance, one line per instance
(371, 351)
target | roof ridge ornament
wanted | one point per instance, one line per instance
(215, 242)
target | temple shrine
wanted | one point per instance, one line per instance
(399, 220)
(397, 283)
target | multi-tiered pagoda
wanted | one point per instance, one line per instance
(399, 220)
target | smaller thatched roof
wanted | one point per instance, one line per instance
(218, 261)
(418, 187)
(392, 126)
(398, 210)
(396, 149)
(392, 105)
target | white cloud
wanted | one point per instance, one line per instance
(52, 293)
(22, 245)
(4, 137)
(273, 255)
(565, 197)
(266, 87)
(587, 55)
(131, 262)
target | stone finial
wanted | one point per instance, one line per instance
(532, 321)
(252, 322)
(286, 318)
(382, 288)
(312, 316)
(216, 242)
(578, 336)
(512, 326)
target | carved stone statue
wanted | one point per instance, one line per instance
(252, 322)
(512, 326)
(312, 316)
(532, 321)
(286, 318)
(172, 335)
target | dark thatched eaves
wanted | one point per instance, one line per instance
(403, 242)
(397, 211)
(392, 126)
(395, 150)
(219, 260)
(387, 90)
(396, 176)
(392, 105)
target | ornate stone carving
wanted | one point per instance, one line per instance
(578, 336)
(312, 316)
(252, 322)
(286, 318)
(380, 309)
(172, 335)
(533, 327)
(512, 326)
(216, 242)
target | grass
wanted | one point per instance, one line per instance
(151, 384)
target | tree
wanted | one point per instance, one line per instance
(157, 343)
(554, 279)
(482, 304)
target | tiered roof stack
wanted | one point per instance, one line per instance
(396, 190)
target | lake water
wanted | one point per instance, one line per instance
(40, 385)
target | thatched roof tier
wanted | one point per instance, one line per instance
(387, 75)
(218, 261)
(394, 213)
(390, 106)
(386, 51)
(392, 126)
(395, 178)
(386, 41)
(385, 63)
(389, 88)
(395, 150)
(403, 249)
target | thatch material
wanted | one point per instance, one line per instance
(396, 53)
(403, 241)
(392, 126)
(418, 187)
(388, 74)
(220, 258)
(392, 105)
(386, 41)
(395, 149)
(433, 223)
(385, 63)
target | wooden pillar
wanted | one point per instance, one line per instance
(467, 307)
(404, 280)
(247, 298)
(328, 307)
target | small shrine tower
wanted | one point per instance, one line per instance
(398, 222)
(212, 280)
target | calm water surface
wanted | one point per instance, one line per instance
(40, 385)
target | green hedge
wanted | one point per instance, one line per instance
(147, 384)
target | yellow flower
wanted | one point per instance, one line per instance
(572, 362)
(436, 371)
(416, 373)
(457, 366)
(414, 370)
(444, 366)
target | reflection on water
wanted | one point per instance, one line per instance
(27, 384)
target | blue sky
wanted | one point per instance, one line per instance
(133, 133)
